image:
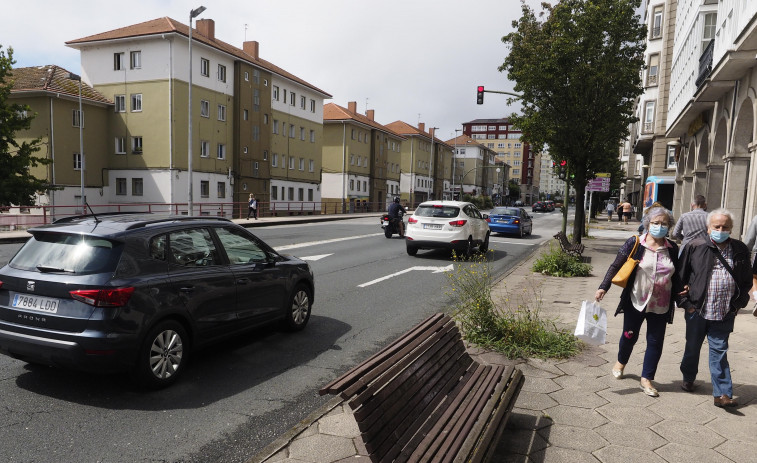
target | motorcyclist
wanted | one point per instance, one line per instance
(395, 213)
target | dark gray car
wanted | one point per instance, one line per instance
(140, 292)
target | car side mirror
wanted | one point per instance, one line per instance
(486, 216)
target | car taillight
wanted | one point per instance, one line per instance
(412, 220)
(458, 223)
(1, 284)
(115, 297)
(516, 221)
(489, 220)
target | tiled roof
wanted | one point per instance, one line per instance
(464, 140)
(403, 128)
(52, 79)
(503, 120)
(167, 25)
(334, 112)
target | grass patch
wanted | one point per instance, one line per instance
(515, 328)
(557, 263)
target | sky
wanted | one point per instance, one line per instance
(409, 60)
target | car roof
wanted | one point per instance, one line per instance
(113, 225)
(444, 203)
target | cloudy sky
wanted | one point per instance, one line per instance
(410, 60)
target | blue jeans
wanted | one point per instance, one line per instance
(656, 326)
(717, 333)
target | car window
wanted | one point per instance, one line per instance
(158, 247)
(60, 252)
(506, 211)
(240, 248)
(192, 247)
(446, 212)
(473, 212)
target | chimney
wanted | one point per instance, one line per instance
(369, 114)
(422, 126)
(207, 28)
(252, 48)
(352, 107)
(431, 131)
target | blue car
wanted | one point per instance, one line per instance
(511, 220)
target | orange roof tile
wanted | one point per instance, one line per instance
(167, 25)
(52, 79)
(334, 112)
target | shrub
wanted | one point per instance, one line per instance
(515, 329)
(557, 263)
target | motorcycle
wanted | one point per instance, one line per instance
(390, 226)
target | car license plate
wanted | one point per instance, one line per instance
(501, 221)
(40, 304)
(432, 226)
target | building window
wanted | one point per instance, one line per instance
(302, 133)
(221, 189)
(312, 106)
(136, 102)
(204, 108)
(221, 112)
(76, 118)
(256, 100)
(275, 92)
(118, 61)
(300, 194)
(274, 193)
(77, 161)
(291, 130)
(657, 23)
(275, 160)
(255, 76)
(222, 73)
(204, 148)
(671, 161)
(121, 186)
(255, 168)
(291, 193)
(312, 136)
(221, 151)
(302, 164)
(120, 145)
(136, 145)
(352, 184)
(255, 133)
(652, 69)
(310, 194)
(120, 103)
(204, 67)
(312, 166)
(303, 102)
(265, 155)
(708, 33)
(275, 126)
(204, 189)
(135, 59)
(246, 76)
(292, 98)
(137, 187)
(291, 162)
(648, 117)
(245, 114)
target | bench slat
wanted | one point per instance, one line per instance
(499, 421)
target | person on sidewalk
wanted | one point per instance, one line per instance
(610, 210)
(692, 224)
(750, 239)
(718, 273)
(620, 213)
(252, 207)
(627, 210)
(649, 294)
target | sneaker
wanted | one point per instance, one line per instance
(754, 310)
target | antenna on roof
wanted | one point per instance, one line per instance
(245, 32)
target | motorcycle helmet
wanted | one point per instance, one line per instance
(396, 199)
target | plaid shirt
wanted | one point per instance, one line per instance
(690, 225)
(720, 289)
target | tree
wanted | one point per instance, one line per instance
(578, 73)
(17, 184)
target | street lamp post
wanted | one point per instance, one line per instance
(454, 162)
(81, 145)
(431, 131)
(190, 202)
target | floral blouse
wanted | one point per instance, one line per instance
(653, 284)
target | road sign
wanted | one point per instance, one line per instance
(602, 175)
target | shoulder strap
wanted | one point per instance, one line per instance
(636, 245)
(725, 263)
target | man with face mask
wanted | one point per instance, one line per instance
(718, 273)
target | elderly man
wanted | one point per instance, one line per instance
(718, 273)
(692, 224)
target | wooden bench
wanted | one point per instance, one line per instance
(423, 398)
(573, 249)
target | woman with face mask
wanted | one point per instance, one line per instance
(649, 294)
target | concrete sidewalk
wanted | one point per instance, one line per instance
(574, 410)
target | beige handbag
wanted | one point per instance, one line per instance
(621, 278)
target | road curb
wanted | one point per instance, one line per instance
(285, 439)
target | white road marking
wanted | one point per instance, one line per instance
(319, 257)
(316, 243)
(448, 268)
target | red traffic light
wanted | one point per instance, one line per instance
(563, 163)
(480, 88)
(480, 95)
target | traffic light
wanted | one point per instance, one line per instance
(480, 95)
(563, 169)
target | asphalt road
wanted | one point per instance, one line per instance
(237, 397)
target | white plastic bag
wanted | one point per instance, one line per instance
(592, 323)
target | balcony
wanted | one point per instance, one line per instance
(705, 64)
(651, 80)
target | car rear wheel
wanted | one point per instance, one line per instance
(412, 250)
(520, 232)
(163, 355)
(468, 250)
(298, 313)
(484, 247)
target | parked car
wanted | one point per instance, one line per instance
(550, 205)
(140, 293)
(511, 220)
(539, 206)
(453, 225)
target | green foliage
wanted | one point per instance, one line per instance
(515, 329)
(17, 184)
(481, 202)
(577, 68)
(557, 263)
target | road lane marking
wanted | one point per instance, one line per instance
(318, 257)
(316, 243)
(448, 268)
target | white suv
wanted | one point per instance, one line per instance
(453, 225)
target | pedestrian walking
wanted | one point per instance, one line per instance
(610, 210)
(252, 207)
(620, 213)
(627, 210)
(718, 274)
(649, 295)
(693, 224)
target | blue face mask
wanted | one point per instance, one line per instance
(658, 231)
(719, 236)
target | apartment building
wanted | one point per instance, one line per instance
(255, 127)
(475, 168)
(417, 181)
(52, 93)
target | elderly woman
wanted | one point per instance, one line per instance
(649, 294)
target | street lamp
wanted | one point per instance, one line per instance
(454, 162)
(190, 203)
(431, 131)
(73, 76)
